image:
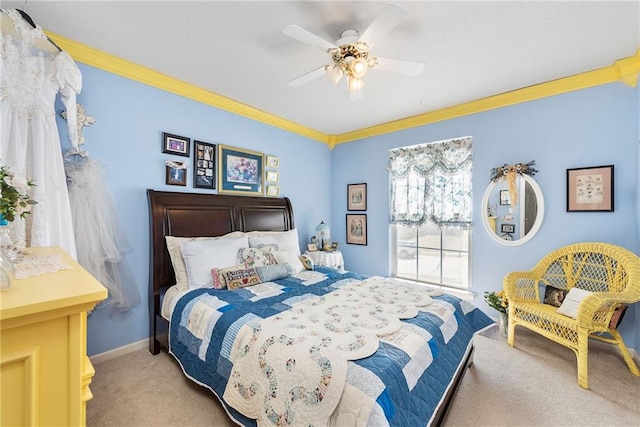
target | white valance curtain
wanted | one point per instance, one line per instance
(432, 182)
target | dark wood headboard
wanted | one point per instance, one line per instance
(200, 215)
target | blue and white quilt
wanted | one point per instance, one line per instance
(325, 347)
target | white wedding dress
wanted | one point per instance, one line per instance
(30, 80)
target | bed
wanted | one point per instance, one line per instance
(277, 352)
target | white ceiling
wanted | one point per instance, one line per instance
(471, 50)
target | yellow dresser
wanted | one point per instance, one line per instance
(44, 368)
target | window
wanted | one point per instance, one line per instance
(431, 210)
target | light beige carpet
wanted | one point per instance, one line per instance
(533, 384)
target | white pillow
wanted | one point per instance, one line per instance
(289, 257)
(173, 246)
(200, 256)
(572, 301)
(286, 240)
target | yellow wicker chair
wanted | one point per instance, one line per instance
(612, 273)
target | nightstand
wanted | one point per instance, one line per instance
(327, 258)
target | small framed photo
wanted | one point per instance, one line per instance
(508, 228)
(590, 189)
(312, 247)
(334, 246)
(240, 171)
(357, 197)
(504, 197)
(273, 176)
(176, 173)
(174, 144)
(204, 165)
(273, 162)
(357, 229)
(273, 190)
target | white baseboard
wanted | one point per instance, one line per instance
(120, 351)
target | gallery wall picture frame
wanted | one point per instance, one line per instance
(176, 173)
(357, 229)
(273, 190)
(204, 161)
(507, 228)
(273, 176)
(175, 144)
(273, 162)
(240, 171)
(357, 197)
(505, 198)
(590, 189)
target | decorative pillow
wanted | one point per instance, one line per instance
(286, 240)
(218, 280)
(307, 262)
(572, 301)
(218, 275)
(173, 246)
(291, 258)
(554, 296)
(240, 278)
(200, 256)
(269, 273)
(257, 257)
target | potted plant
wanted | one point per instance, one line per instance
(498, 300)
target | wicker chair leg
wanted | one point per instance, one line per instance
(625, 352)
(582, 354)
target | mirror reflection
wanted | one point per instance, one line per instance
(513, 217)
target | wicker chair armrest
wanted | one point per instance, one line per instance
(599, 306)
(521, 286)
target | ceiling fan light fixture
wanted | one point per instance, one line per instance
(355, 84)
(358, 67)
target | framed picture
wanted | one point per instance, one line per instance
(312, 247)
(273, 190)
(273, 162)
(334, 246)
(357, 197)
(590, 189)
(273, 176)
(204, 160)
(174, 144)
(504, 197)
(357, 229)
(240, 171)
(176, 173)
(508, 228)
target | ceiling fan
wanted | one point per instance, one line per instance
(350, 54)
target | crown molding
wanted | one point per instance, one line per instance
(625, 70)
(113, 64)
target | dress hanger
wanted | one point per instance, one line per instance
(8, 28)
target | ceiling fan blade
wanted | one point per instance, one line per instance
(398, 66)
(391, 15)
(307, 77)
(307, 37)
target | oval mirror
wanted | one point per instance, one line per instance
(513, 224)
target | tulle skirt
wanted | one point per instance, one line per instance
(100, 240)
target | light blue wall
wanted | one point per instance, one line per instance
(126, 141)
(597, 126)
